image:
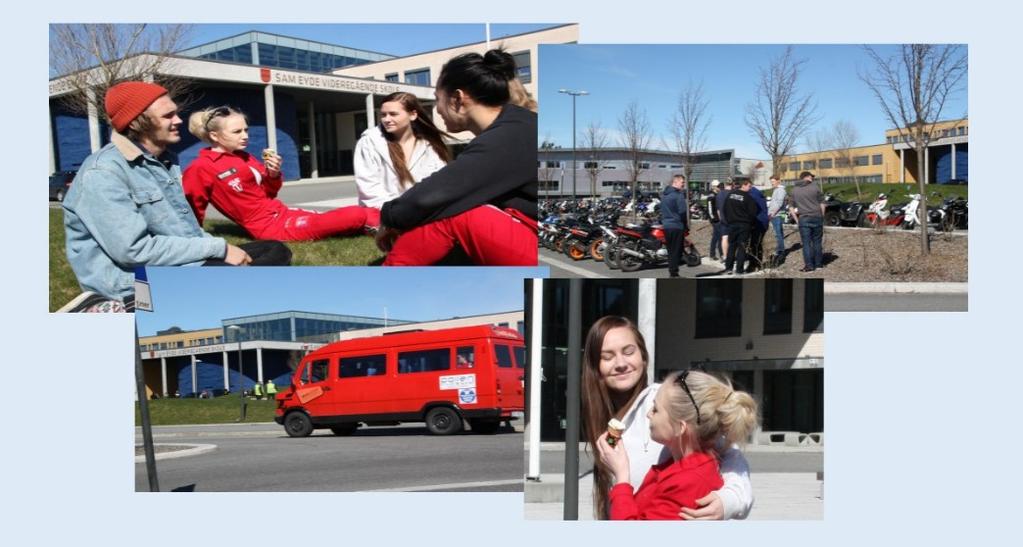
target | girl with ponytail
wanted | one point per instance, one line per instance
(694, 415)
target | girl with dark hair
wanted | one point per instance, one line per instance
(485, 200)
(615, 385)
(401, 151)
(245, 190)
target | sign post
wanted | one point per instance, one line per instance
(144, 302)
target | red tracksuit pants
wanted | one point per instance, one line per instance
(302, 225)
(490, 236)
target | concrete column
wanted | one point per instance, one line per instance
(53, 150)
(535, 377)
(646, 320)
(953, 160)
(94, 139)
(271, 117)
(259, 364)
(902, 166)
(314, 167)
(758, 394)
(370, 111)
(294, 338)
(195, 376)
(163, 375)
(227, 370)
(255, 53)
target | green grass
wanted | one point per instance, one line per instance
(220, 410)
(898, 194)
(339, 251)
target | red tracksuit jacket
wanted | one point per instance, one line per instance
(667, 488)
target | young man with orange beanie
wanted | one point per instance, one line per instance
(126, 207)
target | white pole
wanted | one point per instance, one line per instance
(227, 380)
(93, 120)
(271, 117)
(646, 320)
(488, 36)
(535, 377)
(314, 166)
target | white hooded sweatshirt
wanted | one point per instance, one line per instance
(375, 175)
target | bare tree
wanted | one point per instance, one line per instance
(90, 58)
(595, 138)
(688, 125)
(546, 169)
(778, 116)
(844, 138)
(635, 138)
(912, 87)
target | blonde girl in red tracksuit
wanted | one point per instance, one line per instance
(245, 190)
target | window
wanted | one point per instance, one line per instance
(392, 77)
(777, 306)
(813, 305)
(465, 357)
(315, 371)
(644, 165)
(811, 164)
(860, 161)
(876, 159)
(547, 185)
(591, 165)
(418, 77)
(841, 162)
(424, 361)
(962, 131)
(520, 356)
(503, 353)
(794, 166)
(369, 365)
(718, 308)
(522, 67)
(825, 164)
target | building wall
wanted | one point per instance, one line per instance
(511, 319)
(887, 171)
(181, 340)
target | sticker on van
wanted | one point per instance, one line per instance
(467, 396)
(458, 381)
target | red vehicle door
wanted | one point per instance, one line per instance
(313, 387)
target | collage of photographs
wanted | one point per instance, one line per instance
(616, 258)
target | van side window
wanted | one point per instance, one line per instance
(520, 356)
(424, 361)
(315, 371)
(368, 365)
(465, 357)
(503, 356)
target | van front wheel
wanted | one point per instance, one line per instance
(297, 424)
(442, 420)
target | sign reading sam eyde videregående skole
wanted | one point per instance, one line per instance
(315, 81)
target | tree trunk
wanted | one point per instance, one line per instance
(921, 215)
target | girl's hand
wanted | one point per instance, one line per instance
(273, 164)
(385, 238)
(615, 458)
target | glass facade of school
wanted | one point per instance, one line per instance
(260, 48)
(297, 326)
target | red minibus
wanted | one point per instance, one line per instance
(441, 377)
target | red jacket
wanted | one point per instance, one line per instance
(667, 488)
(229, 181)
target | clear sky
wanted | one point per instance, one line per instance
(404, 39)
(654, 75)
(195, 298)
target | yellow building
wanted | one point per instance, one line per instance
(945, 159)
(175, 338)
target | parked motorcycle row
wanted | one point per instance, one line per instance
(951, 214)
(626, 236)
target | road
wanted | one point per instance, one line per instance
(318, 196)
(869, 302)
(562, 266)
(262, 458)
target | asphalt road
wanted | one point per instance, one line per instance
(795, 461)
(896, 302)
(262, 458)
(562, 266)
(319, 196)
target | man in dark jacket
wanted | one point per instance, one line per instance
(741, 212)
(674, 217)
(719, 200)
(716, 251)
(759, 229)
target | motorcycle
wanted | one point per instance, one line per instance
(837, 213)
(645, 245)
(697, 211)
(951, 214)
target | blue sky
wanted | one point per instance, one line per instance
(654, 75)
(404, 39)
(195, 298)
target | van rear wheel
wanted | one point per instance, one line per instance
(442, 420)
(297, 424)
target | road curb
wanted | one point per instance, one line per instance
(837, 287)
(195, 450)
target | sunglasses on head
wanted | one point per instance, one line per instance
(680, 380)
(216, 113)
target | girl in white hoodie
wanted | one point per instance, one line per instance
(405, 148)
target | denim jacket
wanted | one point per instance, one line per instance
(125, 209)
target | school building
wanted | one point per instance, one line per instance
(946, 159)
(604, 172)
(766, 335)
(253, 349)
(308, 100)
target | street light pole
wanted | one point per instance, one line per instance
(574, 93)
(241, 372)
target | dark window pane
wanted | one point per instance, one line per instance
(813, 305)
(718, 308)
(369, 365)
(503, 356)
(520, 356)
(424, 361)
(465, 357)
(777, 306)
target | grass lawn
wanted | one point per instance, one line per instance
(898, 194)
(219, 410)
(340, 251)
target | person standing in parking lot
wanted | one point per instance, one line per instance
(808, 206)
(774, 209)
(715, 221)
(673, 217)
(741, 212)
